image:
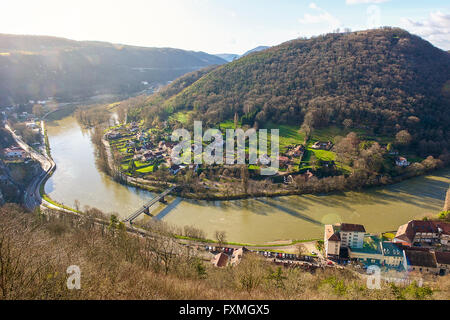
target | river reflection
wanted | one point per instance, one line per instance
(250, 220)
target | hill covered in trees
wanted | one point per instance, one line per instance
(37, 67)
(384, 81)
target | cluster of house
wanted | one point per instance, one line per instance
(149, 152)
(418, 246)
(15, 153)
(229, 257)
(294, 151)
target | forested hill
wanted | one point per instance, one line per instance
(385, 80)
(37, 67)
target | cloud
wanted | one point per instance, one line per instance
(321, 17)
(364, 1)
(436, 28)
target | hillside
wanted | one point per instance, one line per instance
(37, 67)
(167, 92)
(383, 80)
(36, 251)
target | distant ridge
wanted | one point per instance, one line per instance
(228, 56)
(231, 56)
(257, 49)
(37, 67)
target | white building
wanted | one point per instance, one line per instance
(343, 235)
(352, 235)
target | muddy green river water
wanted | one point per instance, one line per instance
(250, 221)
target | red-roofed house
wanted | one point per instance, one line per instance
(332, 242)
(423, 232)
(220, 260)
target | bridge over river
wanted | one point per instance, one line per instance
(146, 207)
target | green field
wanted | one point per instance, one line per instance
(146, 169)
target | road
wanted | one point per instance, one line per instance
(32, 196)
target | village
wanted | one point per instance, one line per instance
(143, 151)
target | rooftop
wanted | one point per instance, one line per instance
(330, 233)
(391, 249)
(421, 258)
(408, 231)
(442, 257)
(220, 260)
(348, 227)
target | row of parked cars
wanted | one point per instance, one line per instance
(266, 254)
(215, 249)
(278, 255)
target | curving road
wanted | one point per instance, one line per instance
(32, 196)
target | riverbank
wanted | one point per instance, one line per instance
(159, 186)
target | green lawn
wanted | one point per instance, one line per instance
(323, 154)
(289, 135)
(146, 169)
(140, 164)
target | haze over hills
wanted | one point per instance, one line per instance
(228, 56)
(231, 56)
(37, 67)
(383, 80)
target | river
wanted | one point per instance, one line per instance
(250, 221)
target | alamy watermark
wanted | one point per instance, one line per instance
(375, 277)
(235, 143)
(74, 280)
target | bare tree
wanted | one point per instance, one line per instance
(221, 238)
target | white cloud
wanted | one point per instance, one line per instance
(322, 16)
(436, 28)
(364, 1)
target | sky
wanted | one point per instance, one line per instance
(219, 26)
